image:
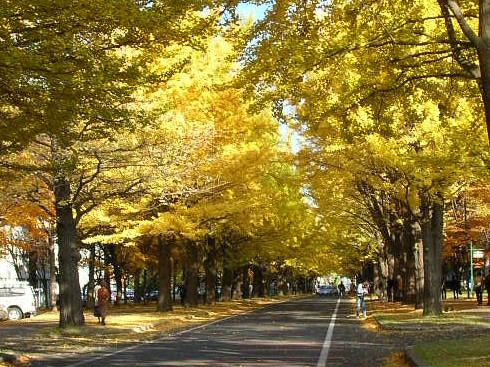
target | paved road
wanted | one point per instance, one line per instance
(312, 332)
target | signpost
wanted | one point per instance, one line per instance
(478, 255)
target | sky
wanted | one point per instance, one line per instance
(258, 11)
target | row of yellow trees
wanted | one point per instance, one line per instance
(155, 130)
(126, 132)
(388, 95)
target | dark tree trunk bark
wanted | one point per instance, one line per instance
(258, 281)
(33, 259)
(164, 275)
(145, 285)
(245, 282)
(53, 288)
(71, 312)
(432, 229)
(227, 279)
(91, 278)
(192, 275)
(410, 259)
(480, 41)
(210, 271)
(118, 274)
(139, 293)
(419, 266)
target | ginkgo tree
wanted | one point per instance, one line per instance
(207, 165)
(75, 67)
(376, 95)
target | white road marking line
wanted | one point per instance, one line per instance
(170, 335)
(322, 361)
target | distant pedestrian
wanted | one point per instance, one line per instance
(96, 301)
(443, 288)
(390, 285)
(479, 288)
(361, 292)
(341, 288)
(487, 287)
(182, 293)
(456, 286)
(103, 297)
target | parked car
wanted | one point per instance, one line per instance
(18, 299)
(326, 290)
(152, 295)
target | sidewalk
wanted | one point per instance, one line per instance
(407, 323)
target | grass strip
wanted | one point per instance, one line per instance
(454, 353)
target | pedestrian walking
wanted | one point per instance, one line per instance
(487, 287)
(456, 285)
(182, 293)
(361, 292)
(103, 297)
(479, 288)
(390, 289)
(96, 301)
(341, 287)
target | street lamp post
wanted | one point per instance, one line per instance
(474, 254)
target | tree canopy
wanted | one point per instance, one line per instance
(158, 130)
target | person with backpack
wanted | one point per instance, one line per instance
(361, 291)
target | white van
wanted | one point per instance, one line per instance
(18, 299)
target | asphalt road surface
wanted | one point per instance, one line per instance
(314, 332)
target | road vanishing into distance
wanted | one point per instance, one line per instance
(314, 331)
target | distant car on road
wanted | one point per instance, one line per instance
(327, 290)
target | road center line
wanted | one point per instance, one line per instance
(322, 361)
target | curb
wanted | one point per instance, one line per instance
(409, 354)
(10, 357)
(412, 358)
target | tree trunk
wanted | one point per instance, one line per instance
(118, 275)
(210, 271)
(52, 273)
(410, 264)
(245, 288)
(227, 278)
(432, 231)
(107, 270)
(71, 312)
(139, 293)
(419, 266)
(164, 275)
(90, 297)
(480, 41)
(483, 47)
(258, 281)
(192, 275)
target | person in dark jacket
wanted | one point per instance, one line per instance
(487, 287)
